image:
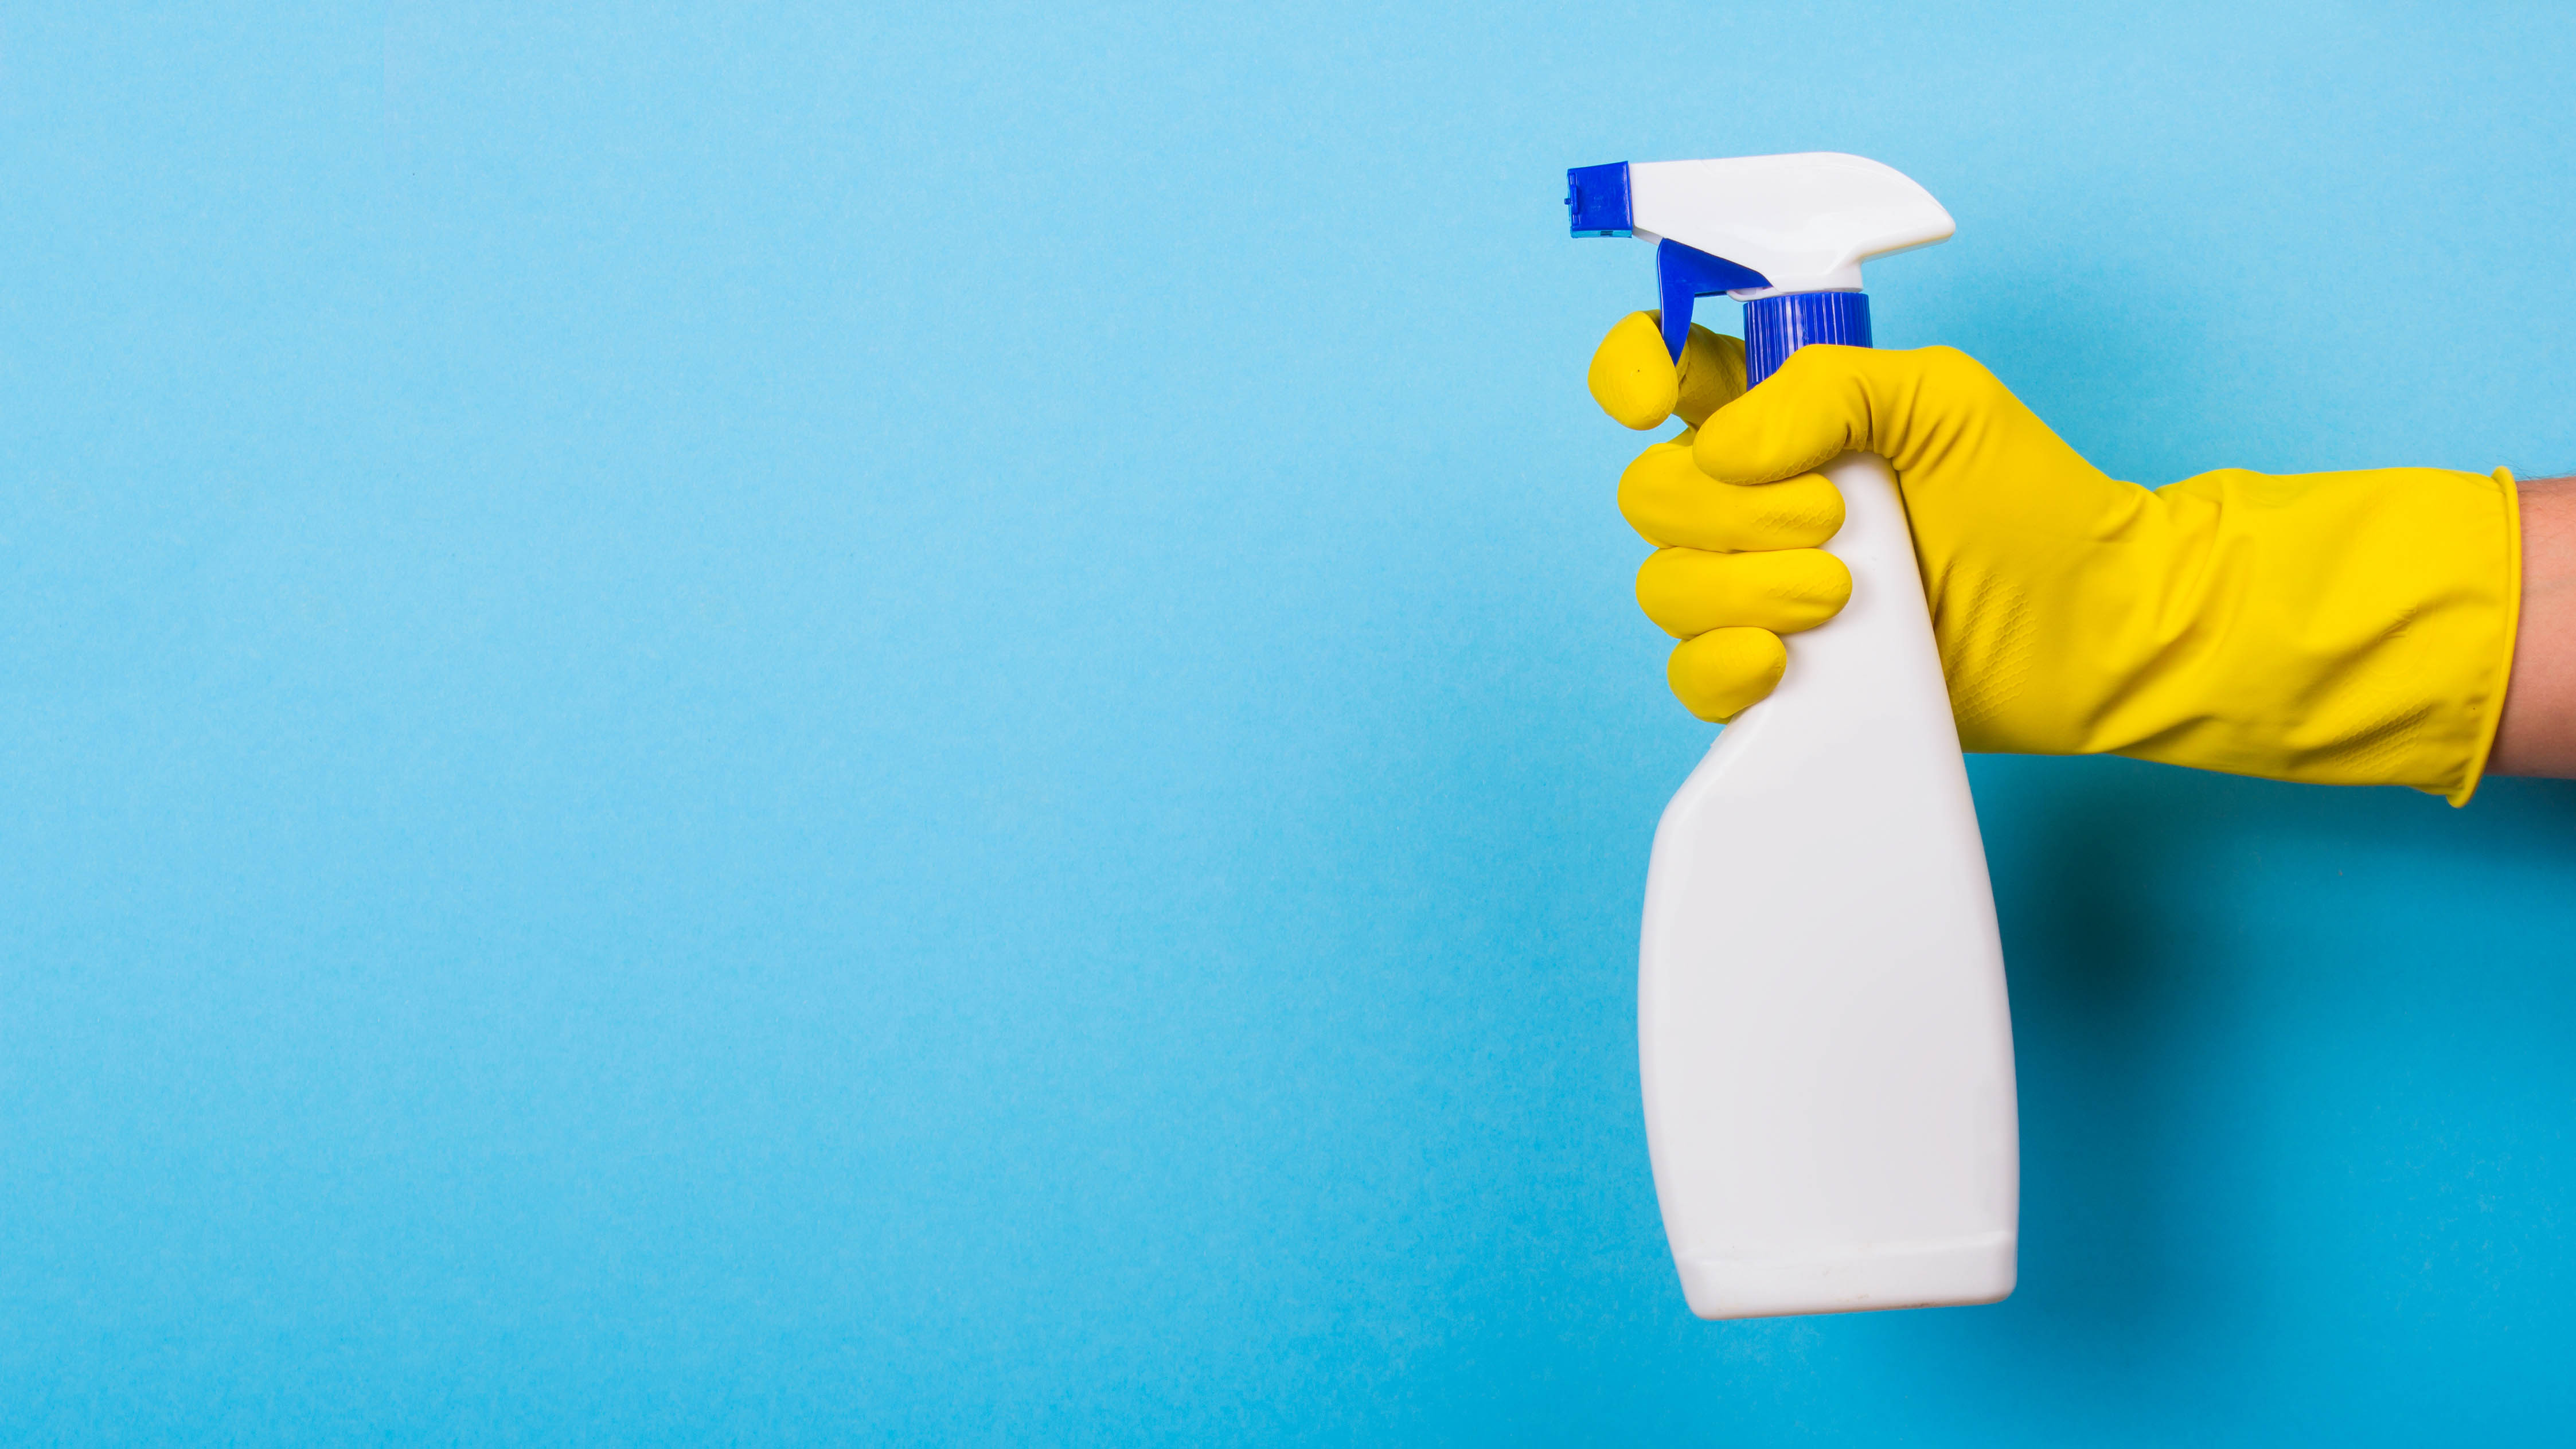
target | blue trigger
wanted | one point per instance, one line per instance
(1684, 273)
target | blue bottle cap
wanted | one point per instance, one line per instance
(1774, 327)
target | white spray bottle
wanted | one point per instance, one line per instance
(1822, 1030)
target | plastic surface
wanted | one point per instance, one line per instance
(1685, 274)
(1596, 199)
(1823, 1036)
(1776, 326)
(1805, 221)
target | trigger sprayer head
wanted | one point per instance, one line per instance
(1755, 226)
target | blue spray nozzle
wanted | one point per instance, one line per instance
(1596, 200)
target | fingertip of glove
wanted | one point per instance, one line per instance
(1632, 377)
(1720, 674)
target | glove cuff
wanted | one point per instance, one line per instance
(2493, 716)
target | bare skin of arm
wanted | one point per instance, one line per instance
(2538, 733)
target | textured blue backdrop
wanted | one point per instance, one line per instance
(776, 722)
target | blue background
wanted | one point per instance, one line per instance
(781, 723)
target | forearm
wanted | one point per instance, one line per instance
(2538, 732)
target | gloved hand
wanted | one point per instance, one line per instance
(2345, 628)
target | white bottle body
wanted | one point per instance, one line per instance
(1823, 1034)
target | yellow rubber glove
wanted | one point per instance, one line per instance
(2343, 628)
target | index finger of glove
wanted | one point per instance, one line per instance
(1638, 383)
(1817, 406)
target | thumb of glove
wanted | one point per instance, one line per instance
(1817, 406)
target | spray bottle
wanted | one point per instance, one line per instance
(1823, 1036)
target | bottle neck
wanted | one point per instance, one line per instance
(1774, 327)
